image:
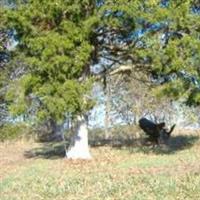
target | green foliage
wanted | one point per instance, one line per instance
(59, 40)
(11, 131)
(2, 14)
(174, 89)
(172, 47)
(194, 97)
(55, 43)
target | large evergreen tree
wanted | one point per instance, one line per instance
(55, 45)
(59, 40)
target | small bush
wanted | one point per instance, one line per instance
(11, 131)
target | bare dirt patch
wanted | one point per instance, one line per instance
(12, 155)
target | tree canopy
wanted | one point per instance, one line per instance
(59, 40)
(160, 38)
(54, 45)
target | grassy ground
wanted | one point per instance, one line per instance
(31, 171)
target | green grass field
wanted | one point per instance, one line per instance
(126, 173)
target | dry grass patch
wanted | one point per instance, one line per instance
(112, 174)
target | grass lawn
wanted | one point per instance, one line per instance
(134, 173)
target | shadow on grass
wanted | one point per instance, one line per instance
(48, 150)
(176, 143)
(56, 150)
(113, 142)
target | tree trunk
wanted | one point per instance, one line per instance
(79, 147)
(107, 106)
